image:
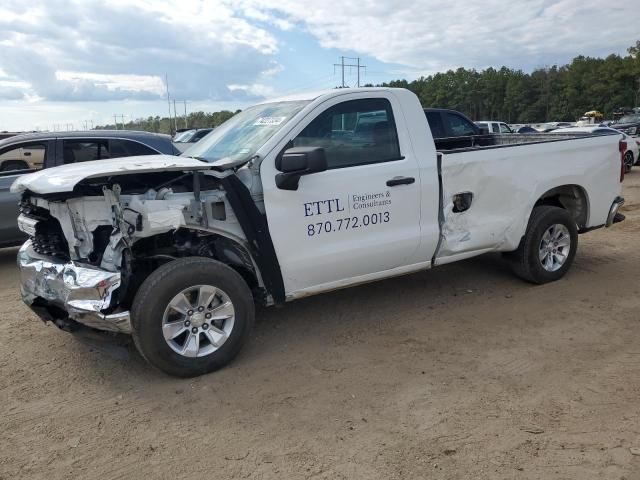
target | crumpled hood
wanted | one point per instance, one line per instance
(65, 177)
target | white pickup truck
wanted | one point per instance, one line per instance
(290, 198)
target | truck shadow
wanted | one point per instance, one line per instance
(381, 305)
(342, 312)
(475, 275)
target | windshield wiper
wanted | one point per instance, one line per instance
(202, 159)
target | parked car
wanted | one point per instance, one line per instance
(451, 129)
(495, 127)
(631, 156)
(5, 134)
(629, 124)
(24, 157)
(179, 132)
(23, 153)
(527, 129)
(287, 200)
(192, 136)
(551, 126)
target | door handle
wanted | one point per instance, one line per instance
(26, 154)
(400, 181)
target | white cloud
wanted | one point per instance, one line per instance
(103, 51)
(118, 50)
(429, 35)
(138, 83)
(255, 89)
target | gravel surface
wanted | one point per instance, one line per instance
(459, 372)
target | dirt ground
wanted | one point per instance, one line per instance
(459, 372)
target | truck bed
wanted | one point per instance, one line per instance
(509, 140)
(506, 179)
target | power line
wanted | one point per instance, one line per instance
(318, 82)
(86, 124)
(357, 66)
(115, 120)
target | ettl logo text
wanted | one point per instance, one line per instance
(322, 206)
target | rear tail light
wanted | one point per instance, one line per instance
(622, 146)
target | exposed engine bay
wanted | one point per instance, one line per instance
(131, 224)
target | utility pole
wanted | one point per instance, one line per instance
(175, 115)
(185, 114)
(166, 82)
(115, 120)
(122, 119)
(357, 66)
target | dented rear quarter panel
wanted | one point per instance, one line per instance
(506, 183)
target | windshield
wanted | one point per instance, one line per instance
(630, 119)
(239, 138)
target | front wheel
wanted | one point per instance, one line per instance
(191, 316)
(548, 247)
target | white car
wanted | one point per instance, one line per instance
(632, 154)
(495, 127)
(291, 198)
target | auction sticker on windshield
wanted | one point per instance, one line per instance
(269, 121)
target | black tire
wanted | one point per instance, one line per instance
(628, 161)
(525, 261)
(13, 165)
(154, 296)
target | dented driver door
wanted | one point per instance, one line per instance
(358, 218)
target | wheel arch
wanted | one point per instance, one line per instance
(150, 253)
(571, 197)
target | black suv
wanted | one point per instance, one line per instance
(452, 129)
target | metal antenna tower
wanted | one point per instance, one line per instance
(356, 65)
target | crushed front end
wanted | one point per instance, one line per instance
(66, 292)
(90, 249)
(72, 286)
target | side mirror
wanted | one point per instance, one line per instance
(296, 162)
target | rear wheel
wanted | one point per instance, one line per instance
(548, 247)
(192, 316)
(628, 161)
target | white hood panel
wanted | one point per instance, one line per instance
(65, 177)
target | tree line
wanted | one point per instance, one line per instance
(556, 93)
(167, 125)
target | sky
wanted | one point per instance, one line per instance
(70, 64)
